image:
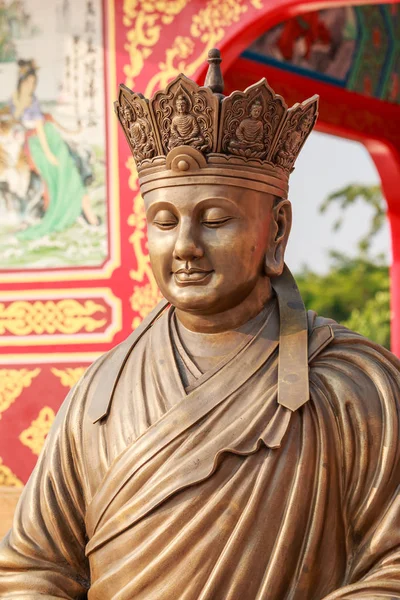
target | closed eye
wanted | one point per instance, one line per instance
(165, 224)
(214, 223)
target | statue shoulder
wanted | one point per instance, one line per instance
(106, 376)
(78, 399)
(353, 370)
(345, 341)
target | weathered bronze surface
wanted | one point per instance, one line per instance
(234, 447)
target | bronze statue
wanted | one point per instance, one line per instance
(234, 446)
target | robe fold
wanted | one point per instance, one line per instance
(218, 492)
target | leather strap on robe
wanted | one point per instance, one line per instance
(293, 386)
(296, 349)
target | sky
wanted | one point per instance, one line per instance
(326, 164)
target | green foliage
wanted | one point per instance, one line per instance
(355, 292)
(373, 320)
(349, 195)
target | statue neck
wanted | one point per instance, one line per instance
(208, 349)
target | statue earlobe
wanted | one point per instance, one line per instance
(274, 262)
(281, 224)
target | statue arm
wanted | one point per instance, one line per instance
(240, 133)
(260, 134)
(366, 399)
(174, 129)
(43, 556)
(196, 128)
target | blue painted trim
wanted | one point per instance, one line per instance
(358, 42)
(387, 63)
(286, 66)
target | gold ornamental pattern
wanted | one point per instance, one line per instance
(145, 295)
(66, 316)
(145, 21)
(208, 28)
(35, 435)
(69, 376)
(143, 301)
(8, 478)
(12, 384)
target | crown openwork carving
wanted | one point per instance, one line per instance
(134, 114)
(186, 115)
(297, 126)
(252, 129)
(250, 121)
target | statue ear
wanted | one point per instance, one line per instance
(281, 224)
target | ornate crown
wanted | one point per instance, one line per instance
(249, 137)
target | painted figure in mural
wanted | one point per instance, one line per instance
(308, 27)
(249, 135)
(234, 446)
(185, 129)
(324, 41)
(50, 158)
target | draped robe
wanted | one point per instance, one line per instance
(217, 492)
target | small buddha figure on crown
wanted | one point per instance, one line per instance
(249, 135)
(139, 132)
(290, 147)
(185, 129)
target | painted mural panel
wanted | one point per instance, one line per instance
(353, 47)
(53, 198)
(321, 41)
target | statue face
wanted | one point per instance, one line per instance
(181, 105)
(255, 111)
(207, 244)
(306, 122)
(127, 113)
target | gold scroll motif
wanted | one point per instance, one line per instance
(35, 435)
(51, 316)
(146, 295)
(143, 300)
(7, 477)
(12, 384)
(145, 21)
(208, 26)
(69, 376)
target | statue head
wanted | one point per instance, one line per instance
(127, 113)
(214, 247)
(256, 109)
(181, 105)
(218, 223)
(306, 122)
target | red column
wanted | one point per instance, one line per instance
(387, 161)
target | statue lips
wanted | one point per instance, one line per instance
(192, 276)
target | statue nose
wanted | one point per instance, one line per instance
(186, 246)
